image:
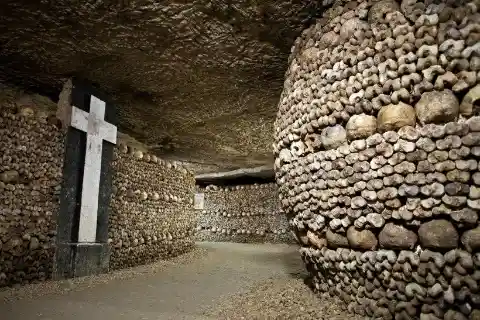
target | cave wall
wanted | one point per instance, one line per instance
(243, 213)
(31, 160)
(152, 213)
(158, 59)
(377, 146)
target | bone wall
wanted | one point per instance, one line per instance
(377, 147)
(244, 213)
(31, 159)
(152, 213)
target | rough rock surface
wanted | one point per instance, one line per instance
(336, 240)
(466, 216)
(437, 107)
(394, 236)
(361, 239)
(315, 240)
(333, 137)
(193, 79)
(438, 234)
(471, 239)
(475, 315)
(361, 126)
(395, 116)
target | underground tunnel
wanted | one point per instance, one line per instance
(240, 160)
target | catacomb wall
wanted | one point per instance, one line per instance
(31, 159)
(377, 156)
(151, 213)
(245, 213)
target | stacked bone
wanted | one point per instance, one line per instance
(246, 213)
(31, 159)
(152, 209)
(377, 154)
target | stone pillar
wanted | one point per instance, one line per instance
(74, 258)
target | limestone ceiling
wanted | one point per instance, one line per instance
(197, 80)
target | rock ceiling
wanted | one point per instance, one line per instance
(196, 80)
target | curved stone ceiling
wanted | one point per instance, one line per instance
(197, 80)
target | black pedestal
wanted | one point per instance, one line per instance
(80, 259)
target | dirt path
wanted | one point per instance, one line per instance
(216, 281)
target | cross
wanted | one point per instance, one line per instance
(97, 130)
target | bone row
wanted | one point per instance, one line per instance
(385, 168)
(31, 159)
(399, 285)
(362, 126)
(143, 156)
(157, 219)
(242, 214)
(238, 213)
(239, 187)
(331, 79)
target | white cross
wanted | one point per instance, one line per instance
(97, 130)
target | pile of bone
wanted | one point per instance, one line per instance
(31, 160)
(366, 56)
(152, 213)
(377, 146)
(247, 213)
(406, 176)
(387, 284)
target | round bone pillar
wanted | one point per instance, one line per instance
(377, 149)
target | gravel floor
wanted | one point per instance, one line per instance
(215, 281)
(280, 299)
(35, 291)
